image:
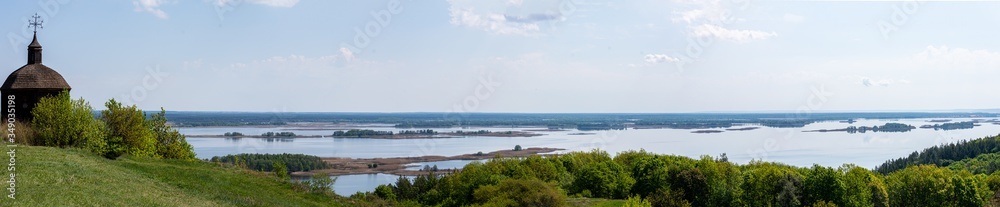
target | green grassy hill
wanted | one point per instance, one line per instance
(71, 177)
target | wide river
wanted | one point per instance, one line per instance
(786, 145)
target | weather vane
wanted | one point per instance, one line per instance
(35, 24)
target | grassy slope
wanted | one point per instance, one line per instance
(70, 177)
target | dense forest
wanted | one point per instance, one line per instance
(984, 163)
(667, 180)
(944, 155)
(266, 162)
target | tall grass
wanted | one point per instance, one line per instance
(23, 132)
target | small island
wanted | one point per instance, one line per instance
(707, 131)
(397, 165)
(951, 126)
(888, 127)
(742, 129)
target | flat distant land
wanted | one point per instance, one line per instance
(550, 121)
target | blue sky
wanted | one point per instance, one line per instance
(516, 55)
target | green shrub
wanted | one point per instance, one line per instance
(321, 183)
(520, 192)
(636, 201)
(170, 144)
(666, 197)
(127, 131)
(62, 122)
(280, 170)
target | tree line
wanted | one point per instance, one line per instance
(667, 180)
(361, 133)
(888, 127)
(268, 162)
(951, 126)
(278, 134)
(943, 155)
(59, 121)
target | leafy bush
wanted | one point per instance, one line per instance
(667, 198)
(280, 170)
(604, 180)
(520, 192)
(170, 144)
(322, 183)
(636, 201)
(127, 131)
(62, 122)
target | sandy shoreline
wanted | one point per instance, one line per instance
(397, 165)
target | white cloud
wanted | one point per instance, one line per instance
(868, 82)
(509, 17)
(490, 22)
(709, 30)
(710, 18)
(660, 58)
(794, 19)
(347, 54)
(958, 57)
(151, 6)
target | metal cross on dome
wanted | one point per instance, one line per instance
(35, 23)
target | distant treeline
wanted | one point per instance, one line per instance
(944, 155)
(475, 132)
(424, 132)
(369, 132)
(443, 120)
(265, 162)
(277, 134)
(951, 126)
(361, 133)
(888, 127)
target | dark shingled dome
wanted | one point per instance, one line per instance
(35, 76)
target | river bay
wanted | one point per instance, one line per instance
(786, 145)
